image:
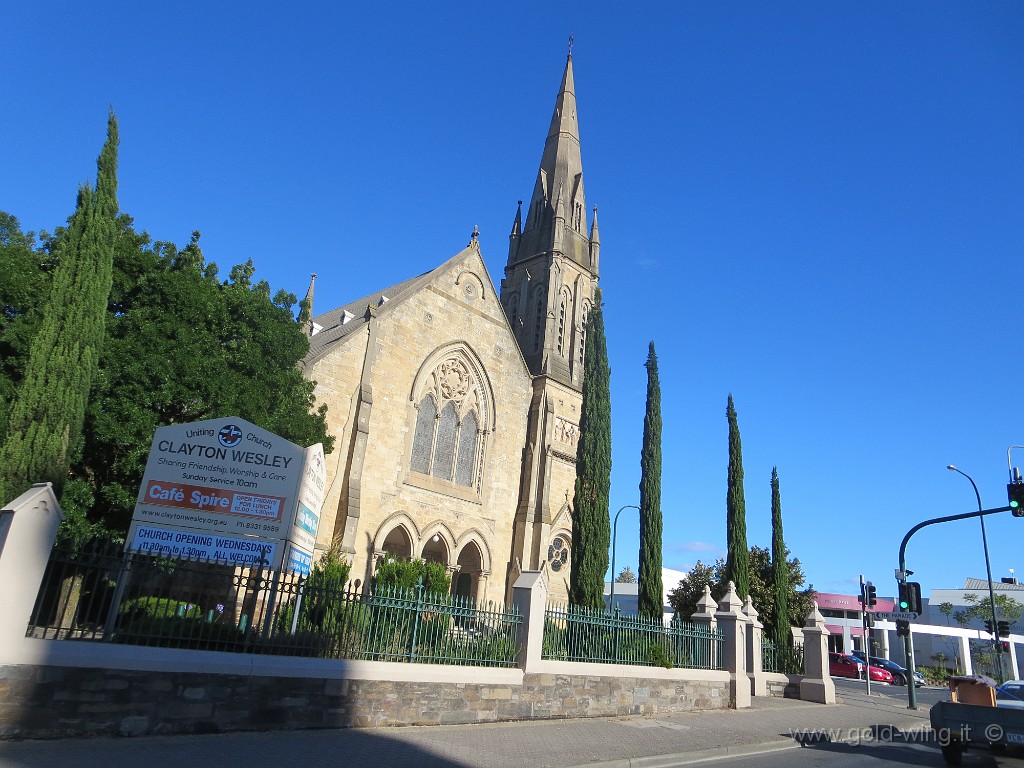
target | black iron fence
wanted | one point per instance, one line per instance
(101, 594)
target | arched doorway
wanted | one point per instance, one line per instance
(398, 543)
(435, 550)
(467, 584)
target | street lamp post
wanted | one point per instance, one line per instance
(988, 573)
(615, 530)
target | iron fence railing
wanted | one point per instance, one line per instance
(787, 659)
(100, 594)
(575, 633)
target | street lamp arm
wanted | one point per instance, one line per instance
(615, 530)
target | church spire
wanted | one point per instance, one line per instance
(553, 257)
(559, 182)
(306, 307)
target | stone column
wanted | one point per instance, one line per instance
(705, 615)
(530, 595)
(481, 586)
(816, 684)
(755, 658)
(28, 527)
(733, 624)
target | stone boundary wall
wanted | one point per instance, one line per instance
(56, 701)
(783, 686)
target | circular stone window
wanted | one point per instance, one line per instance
(558, 554)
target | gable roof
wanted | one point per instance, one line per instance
(339, 323)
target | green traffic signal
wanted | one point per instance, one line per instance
(1015, 492)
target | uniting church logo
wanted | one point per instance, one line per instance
(229, 436)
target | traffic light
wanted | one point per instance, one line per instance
(903, 628)
(990, 627)
(870, 594)
(910, 597)
(1004, 647)
(1015, 491)
(1003, 629)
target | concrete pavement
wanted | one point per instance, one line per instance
(622, 742)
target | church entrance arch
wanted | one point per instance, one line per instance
(470, 567)
(436, 550)
(398, 543)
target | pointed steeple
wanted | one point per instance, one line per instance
(306, 306)
(595, 245)
(552, 267)
(559, 183)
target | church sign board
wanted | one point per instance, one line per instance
(228, 490)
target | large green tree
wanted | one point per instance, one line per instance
(44, 426)
(650, 598)
(780, 581)
(737, 561)
(185, 346)
(591, 527)
(683, 598)
(26, 268)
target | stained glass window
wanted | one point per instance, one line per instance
(423, 438)
(467, 450)
(444, 448)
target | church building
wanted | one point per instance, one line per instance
(456, 406)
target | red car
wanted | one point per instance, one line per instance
(841, 665)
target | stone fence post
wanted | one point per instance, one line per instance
(705, 616)
(816, 684)
(733, 624)
(755, 657)
(28, 527)
(530, 596)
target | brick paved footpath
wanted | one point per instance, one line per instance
(626, 742)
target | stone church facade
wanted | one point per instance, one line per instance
(455, 406)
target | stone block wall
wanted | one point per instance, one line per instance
(50, 702)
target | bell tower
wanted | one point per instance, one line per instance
(547, 292)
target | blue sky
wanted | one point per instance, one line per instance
(818, 207)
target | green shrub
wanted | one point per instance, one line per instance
(177, 632)
(658, 657)
(323, 598)
(403, 574)
(158, 607)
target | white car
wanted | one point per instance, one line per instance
(1010, 694)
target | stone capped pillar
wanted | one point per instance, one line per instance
(530, 595)
(816, 684)
(705, 616)
(28, 528)
(755, 657)
(733, 624)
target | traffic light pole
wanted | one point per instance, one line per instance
(901, 577)
(865, 636)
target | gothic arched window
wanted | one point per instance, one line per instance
(583, 337)
(423, 437)
(466, 458)
(561, 325)
(447, 440)
(538, 321)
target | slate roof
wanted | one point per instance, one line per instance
(334, 330)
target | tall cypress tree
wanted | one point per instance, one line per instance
(737, 561)
(48, 410)
(780, 570)
(650, 599)
(591, 527)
